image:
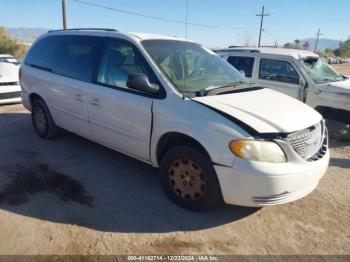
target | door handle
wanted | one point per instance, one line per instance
(318, 91)
(78, 97)
(95, 102)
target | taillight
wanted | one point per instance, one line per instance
(19, 74)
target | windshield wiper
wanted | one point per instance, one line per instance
(220, 89)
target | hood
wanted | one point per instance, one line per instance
(264, 110)
(8, 72)
(339, 87)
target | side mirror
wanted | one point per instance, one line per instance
(242, 72)
(140, 82)
(302, 82)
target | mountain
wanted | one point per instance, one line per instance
(26, 34)
(323, 43)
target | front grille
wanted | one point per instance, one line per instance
(9, 84)
(322, 150)
(309, 141)
(10, 95)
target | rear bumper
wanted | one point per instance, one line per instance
(256, 184)
(11, 94)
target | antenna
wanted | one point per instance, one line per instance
(186, 17)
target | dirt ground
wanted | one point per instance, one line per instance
(342, 68)
(72, 196)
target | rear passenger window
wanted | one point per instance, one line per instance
(71, 56)
(119, 60)
(245, 64)
(278, 70)
(75, 56)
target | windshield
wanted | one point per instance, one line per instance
(319, 70)
(190, 66)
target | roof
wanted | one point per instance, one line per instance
(296, 53)
(147, 36)
(108, 31)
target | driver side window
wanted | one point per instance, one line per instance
(278, 70)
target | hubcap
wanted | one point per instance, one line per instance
(187, 179)
(40, 120)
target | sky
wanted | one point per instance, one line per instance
(288, 19)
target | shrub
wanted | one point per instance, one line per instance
(11, 45)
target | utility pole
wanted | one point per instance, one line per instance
(64, 14)
(318, 37)
(261, 23)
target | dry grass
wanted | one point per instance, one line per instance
(342, 68)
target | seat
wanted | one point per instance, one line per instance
(163, 60)
(115, 75)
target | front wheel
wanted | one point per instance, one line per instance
(189, 179)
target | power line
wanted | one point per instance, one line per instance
(261, 23)
(161, 18)
(271, 35)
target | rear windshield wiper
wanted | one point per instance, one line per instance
(221, 89)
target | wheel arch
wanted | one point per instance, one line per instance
(171, 139)
(33, 97)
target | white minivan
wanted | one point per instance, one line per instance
(178, 106)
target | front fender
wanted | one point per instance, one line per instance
(210, 129)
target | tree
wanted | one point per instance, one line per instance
(11, 45)
(344, 51)
(292, 46)
(328, 52)
(297, 42)
(247, 39)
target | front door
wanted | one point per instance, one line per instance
(119, 117)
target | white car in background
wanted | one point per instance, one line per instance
(10, 90)
(297, 73)
(176, 105)
(9, 59)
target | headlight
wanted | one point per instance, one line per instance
(256, 150)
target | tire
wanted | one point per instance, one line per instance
(42, 121)
(189, 179)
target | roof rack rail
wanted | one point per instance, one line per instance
(235, 46)
(245, 50)
(82, 29)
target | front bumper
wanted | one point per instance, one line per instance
(10, 94)
(251, 183)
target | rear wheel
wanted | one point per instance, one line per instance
(43, 123)
(189, 179)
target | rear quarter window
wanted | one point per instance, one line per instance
(41, 54)
(70, 56)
